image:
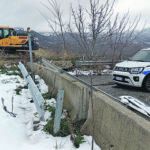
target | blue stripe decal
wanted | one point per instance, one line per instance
(145, 72)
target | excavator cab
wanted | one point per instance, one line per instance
(11, 40)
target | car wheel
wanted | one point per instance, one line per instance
(146, 84)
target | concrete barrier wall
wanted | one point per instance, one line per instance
(116, 128)
(75, 95)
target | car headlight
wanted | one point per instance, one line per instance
(136, 70)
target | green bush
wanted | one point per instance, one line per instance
(15, 71)
(64, 127)
(63, 131)
(74, 59)
(3, 71)
(48, 128)
(18, 90)
(48, 95)
(77, 126)
(78, 140)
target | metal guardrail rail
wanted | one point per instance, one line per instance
(48, 64)
(92, 63)
(80, 63)
(36, 95)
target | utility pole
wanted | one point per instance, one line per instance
(30, 49)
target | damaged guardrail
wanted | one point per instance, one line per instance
(36, 95)
(136, 104)
(135, 109)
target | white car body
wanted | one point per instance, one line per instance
(131, 73)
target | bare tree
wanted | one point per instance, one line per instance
(121, 33)
(55, 20)
(91, 24)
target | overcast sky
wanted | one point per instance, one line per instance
(24, 13)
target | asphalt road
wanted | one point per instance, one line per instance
(105, 83)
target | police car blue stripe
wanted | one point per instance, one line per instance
(145, 72)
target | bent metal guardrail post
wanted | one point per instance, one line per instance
(36, 95)
(59, 105)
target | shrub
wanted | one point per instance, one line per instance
(63, 131)
(18, 90)
(48, 95)
(48, 128)
(74, 59)
(78, 140)
(3, 71)
(15, 71)
(64, 127)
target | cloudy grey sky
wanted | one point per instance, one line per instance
(24, 13)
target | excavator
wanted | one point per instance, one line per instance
(12, 39)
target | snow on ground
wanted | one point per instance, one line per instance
(16, 133)
(80, 72)
(92, 72)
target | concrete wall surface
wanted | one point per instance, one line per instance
(76, 97)
(116, 128)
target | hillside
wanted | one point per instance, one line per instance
(50, 41)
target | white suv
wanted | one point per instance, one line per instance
(135, 72)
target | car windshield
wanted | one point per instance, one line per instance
(143, 56)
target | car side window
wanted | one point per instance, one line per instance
(6, 33)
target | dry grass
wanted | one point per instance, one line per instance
(48, 54)
(9, 59)
(2, 63)
(45, 53)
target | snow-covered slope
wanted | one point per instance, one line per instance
(16, 132)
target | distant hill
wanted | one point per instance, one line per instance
(144, 36)
(50, 41)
